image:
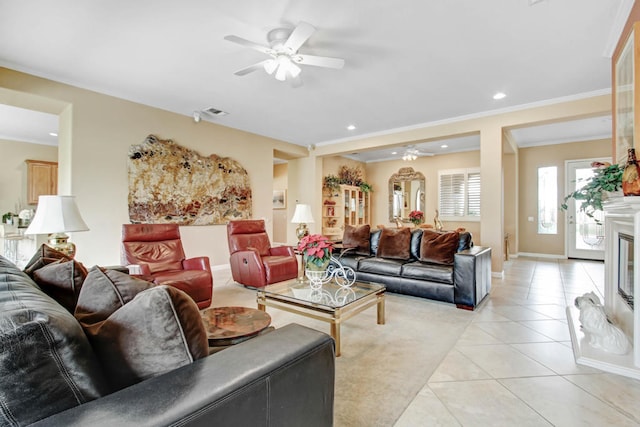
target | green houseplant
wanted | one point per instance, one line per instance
(606, 178)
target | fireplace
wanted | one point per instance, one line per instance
(621, 284)
(625, 268)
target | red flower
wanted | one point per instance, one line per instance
(416, 215)
(315, 248)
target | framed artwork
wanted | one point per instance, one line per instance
(624, 94)
(279, 199)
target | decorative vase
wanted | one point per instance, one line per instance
(631, 175)
(436, 222)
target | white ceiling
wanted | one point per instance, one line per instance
(407, 63)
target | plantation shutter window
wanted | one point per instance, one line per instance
(459, 194)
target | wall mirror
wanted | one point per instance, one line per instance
(406, 194)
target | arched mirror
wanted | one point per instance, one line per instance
(406, 194)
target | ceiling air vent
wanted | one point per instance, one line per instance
(215, 111)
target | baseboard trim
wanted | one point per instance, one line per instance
(536, 255)
(498, 274)
(220, 267)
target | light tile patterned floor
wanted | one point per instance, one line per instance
(514, 366)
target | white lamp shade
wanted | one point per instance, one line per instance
(302, 215)
(56, 214)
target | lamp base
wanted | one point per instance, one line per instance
(60, 242)
(302, 231)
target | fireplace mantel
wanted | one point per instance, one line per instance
(622, 216)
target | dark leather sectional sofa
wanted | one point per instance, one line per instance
(52, 377)
(464, 282)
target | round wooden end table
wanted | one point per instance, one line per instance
(232, 325)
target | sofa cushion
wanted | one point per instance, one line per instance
(394, 243)
(46, 362)
(416, 238)
(384, 266)
(105, 291)
(62, 281)
(466, 241)
(358, 236)
(428, 272)
(43, 256)
(439, 247)
(375, 240)
(159, 330)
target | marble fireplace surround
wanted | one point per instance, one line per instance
(622, 215)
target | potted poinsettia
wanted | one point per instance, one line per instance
(416, 217)
(316, 251)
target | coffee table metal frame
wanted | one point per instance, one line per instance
(273, 296)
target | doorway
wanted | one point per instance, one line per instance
(584, 235)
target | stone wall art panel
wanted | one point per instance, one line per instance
(172, 184)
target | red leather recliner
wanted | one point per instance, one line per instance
(157, 249)
(253, 261)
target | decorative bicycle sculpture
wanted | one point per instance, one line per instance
(343, 276)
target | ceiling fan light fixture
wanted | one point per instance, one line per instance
(270, 66)
(410, 155)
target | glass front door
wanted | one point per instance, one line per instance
(585, 235)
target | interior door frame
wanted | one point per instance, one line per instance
(568, 189)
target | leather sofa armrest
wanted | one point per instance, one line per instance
(282, 251)
(286, 377)
(471, 276)
(197, 263)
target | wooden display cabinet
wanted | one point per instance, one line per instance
(42, 179)
(347, 206)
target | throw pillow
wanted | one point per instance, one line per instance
(394, 243)
(62, 281)
(359, 237)
(438, 247)
(43, 256)
(105, 291)
(159, 330)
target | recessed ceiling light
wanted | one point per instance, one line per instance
(53, 134)
(444, 146)
(351, 127)
(499, 95)
(394, 152)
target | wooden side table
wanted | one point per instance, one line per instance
(227, 326)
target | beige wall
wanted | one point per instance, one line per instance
(331, 165)
(13, 173)
(99, 131)
(530, 159)
(510, 182)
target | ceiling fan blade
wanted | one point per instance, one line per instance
(252, 68)
(299, 35)
(319, 61)
(247, 43)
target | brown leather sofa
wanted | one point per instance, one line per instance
(254, 262)
(157, 250)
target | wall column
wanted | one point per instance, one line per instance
(305, 186)
(491, 199)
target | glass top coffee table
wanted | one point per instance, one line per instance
(331, 303)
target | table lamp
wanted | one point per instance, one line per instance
(55, 216)
(302, 216)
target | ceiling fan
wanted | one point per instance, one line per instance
(411, 153)
(283, 51)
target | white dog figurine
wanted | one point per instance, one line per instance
(602, 334)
